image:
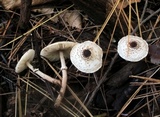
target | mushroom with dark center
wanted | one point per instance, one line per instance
(132, 48)
(86, 53)
(24, 62)
(54, 52)
(133, 44)
(87, 57)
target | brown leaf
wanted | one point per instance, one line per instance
(154, 52)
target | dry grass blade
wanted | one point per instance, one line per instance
(134, 94)
(43, 92)
(19, 99)
(111, 40)
(135, 110)
(71, 91)
(118, 88)
(106, 21)
(36, 26)
(146, 78)
(145, 20)
(26, 98)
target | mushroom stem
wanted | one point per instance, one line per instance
(64, 80)
(43, 75)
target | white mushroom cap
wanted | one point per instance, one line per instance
(132, 48)
(51, 52)
(87, 57)
(22, 63)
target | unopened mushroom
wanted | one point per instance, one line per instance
(132, 48)
(87, 57)
(24, 62)
(54, 52)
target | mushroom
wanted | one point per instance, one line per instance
(54, 52)
(87, 57)
(24, 62)
(132, 48)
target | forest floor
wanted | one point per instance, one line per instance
(118, 89)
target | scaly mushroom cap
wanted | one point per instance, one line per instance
(132, 48)
(27, 57)
(87, 57)
(51, 52)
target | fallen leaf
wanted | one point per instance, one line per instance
(154, 52)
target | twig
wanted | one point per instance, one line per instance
(150, 16)
(29, 31)
(145, 78)
(144, 10)
(134, 94)
(104, 78)
(135, 110)
(25, 10)
(43, 92)
(19, 99)
(106, 21)
(71, 91)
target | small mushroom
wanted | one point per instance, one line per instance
(54, 52)
(132, 48)
(24, 62)
(87, 57)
